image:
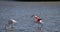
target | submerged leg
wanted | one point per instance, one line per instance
(40, 26)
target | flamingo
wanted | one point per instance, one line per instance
(39, 21)
(10, 23)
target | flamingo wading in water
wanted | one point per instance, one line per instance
(39, 21)
(10, 23)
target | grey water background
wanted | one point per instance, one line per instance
(22, 11)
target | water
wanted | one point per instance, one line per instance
(22, 12)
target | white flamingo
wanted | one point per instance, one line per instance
(10, 23)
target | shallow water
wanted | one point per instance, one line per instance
(22, 12)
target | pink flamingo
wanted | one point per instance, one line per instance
(39, 21)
